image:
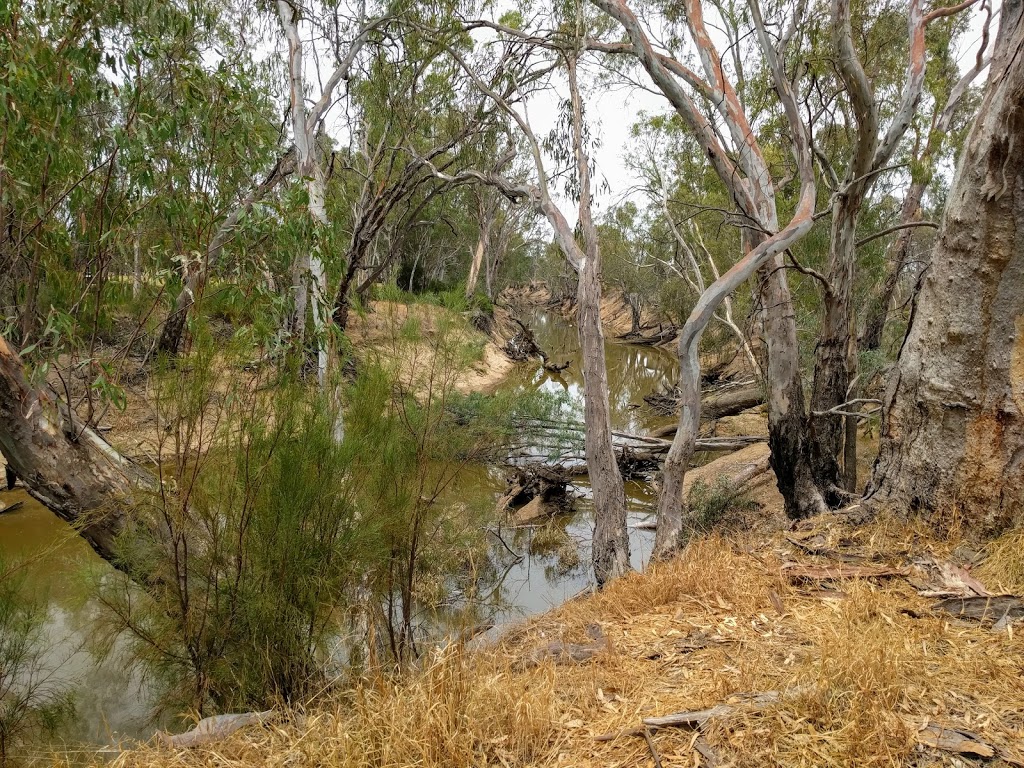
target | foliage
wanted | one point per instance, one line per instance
(709, 505)
(280, 551)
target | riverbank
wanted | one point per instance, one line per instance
(818, 646)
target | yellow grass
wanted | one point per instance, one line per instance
(859, 670)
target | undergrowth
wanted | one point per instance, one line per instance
(856, 673)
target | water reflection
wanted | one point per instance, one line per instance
(112, 703)
(539, 582)
(633, 372)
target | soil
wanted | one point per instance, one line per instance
(377, 330)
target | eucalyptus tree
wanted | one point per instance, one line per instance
(936, 136)
(506, 87)
(305, 125)
(873, 147)
(675, 176)
(731, 132)
(206, 129)
(62, 131)
(415, 112)
(953, 426)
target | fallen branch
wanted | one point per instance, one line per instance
(810, 572)
(746, 703)
(211, 729)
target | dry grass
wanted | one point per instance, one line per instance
(859, 669)
(1003, 569)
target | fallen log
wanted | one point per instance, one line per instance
(63, 463)
(727, 401)
(636, 459)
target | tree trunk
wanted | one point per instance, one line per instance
(833, 354)
(787, 420)
(611, 542)
(731, 401)
(897, 255)
(485, 216)
(610, 546)
(342, 300)
(174, 326)
(953, 427)
(63, 463)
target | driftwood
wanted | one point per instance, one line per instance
(743, 702)
(650, 336)
(539, 492)
(522, 346)
(11, 507)
(636, 454)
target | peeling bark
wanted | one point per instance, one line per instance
(752, 189)
(953, 425)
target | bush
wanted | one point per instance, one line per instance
(709, 506)
(282, 552)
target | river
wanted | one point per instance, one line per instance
(115, 703)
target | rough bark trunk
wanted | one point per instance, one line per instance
(836, 352)
(342, 300)
(953, 426)
(787, 420)
(64, 464)
(833, 354)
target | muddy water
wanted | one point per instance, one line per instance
(633, 372)
(61, 570)
(539, 582)
(115, 704)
